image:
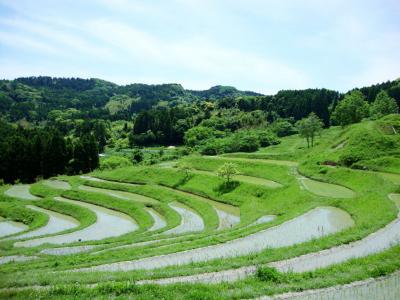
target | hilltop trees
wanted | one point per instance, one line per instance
(383, 105)
(352, 109)
(309, 127)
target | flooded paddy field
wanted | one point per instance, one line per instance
(57, 223)
(109, 223)
(11, 227)
(316, 223)
(20, 191)
(260, 219)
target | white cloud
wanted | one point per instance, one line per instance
(56, 38)
(24, 42)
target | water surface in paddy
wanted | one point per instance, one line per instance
(228, 215)
(318, 222)
(11, 227)
(373, 243)
(15, 258)
(387, 288)
(120, 194)
(20, 191)
(57, 222)
(57, 184)
(86, 177)
(159, 221)
(190, 220)
(67, 250)
(109, 223)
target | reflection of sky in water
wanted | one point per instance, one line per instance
(20, 191)
(109, 223)
(57, 222)
(315, 223)
(190, 221)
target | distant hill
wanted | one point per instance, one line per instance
(220, 91)
(33, 98)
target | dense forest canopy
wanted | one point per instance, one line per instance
(81, 117)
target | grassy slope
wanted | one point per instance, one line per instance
(252, 202)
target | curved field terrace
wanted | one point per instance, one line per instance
(290, 228)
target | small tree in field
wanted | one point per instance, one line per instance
(309, 127)
(227, 171)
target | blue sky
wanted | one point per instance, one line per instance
(259, 45)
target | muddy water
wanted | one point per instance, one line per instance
(387, 288)
(57, 184)
(109, 223)
(373, 243)
(190, 220)
(318, 222)
(57, 222)
(159, 221)
(20, 191)
(119, 194)
(11, 227)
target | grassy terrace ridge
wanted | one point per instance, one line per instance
(11, 209)
(369, 207)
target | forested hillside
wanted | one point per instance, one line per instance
(70, 120)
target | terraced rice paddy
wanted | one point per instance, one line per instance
(20, 191)
(109, 223)
(57, 223)
(119, 194)
(190, 220)
(316, 223)
(57, 184)
(11, 227)
(155, 225)
(383, 288)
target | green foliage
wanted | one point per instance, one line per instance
(352, 109)
(282, 127)
(227, 171)
(241, 141)
(383, 105)
(309, 127)
(114, 162)
(43, 152)
(119, 104)
(185, 169)
(269, 274)
(200, 134)
(137, 156)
